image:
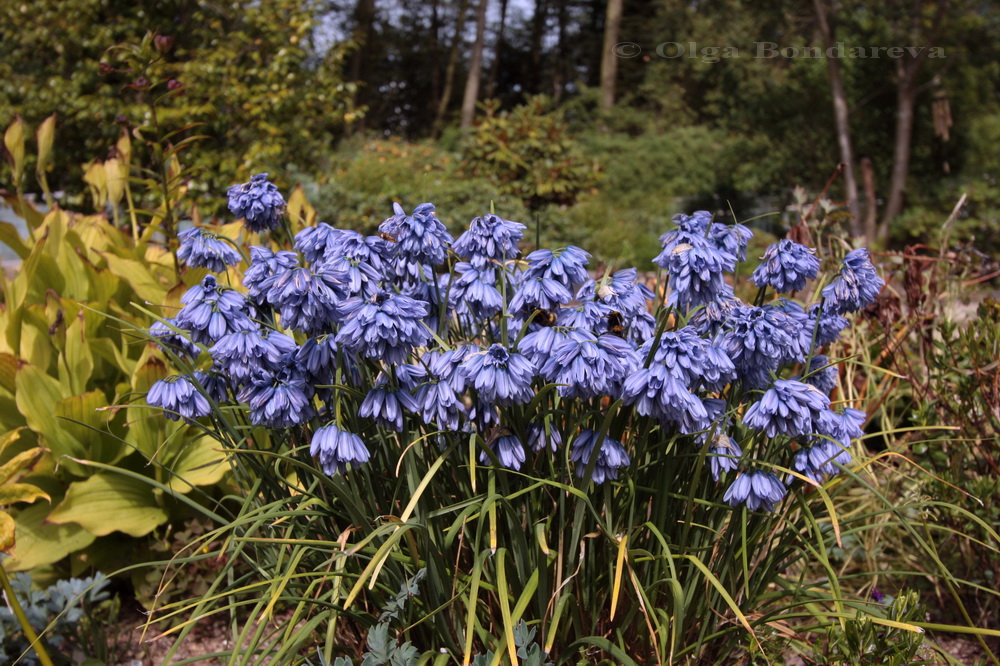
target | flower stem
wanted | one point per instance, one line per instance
(29, 632)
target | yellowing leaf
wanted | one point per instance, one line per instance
(40, 543)
(46, 134)
(114, 181)
(201, 463)
(12, 493)
(7, 528)
(18, 463)
(90, 503)
(13, 140)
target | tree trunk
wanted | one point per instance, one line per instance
(841, 117)
(475, 70)
(871, 199)
(364, 20)
(449, 74)
(609, 61)
(538, 24)
(906, 97)
(560, 65)
(491, 86)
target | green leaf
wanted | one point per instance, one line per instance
(77, 361)
(139, 276)
(38, 396)
(13, 140)
(40, 543)
(108, 502)
(200, 463)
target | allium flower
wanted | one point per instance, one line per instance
(242, 354)
(214, 382)
(211, 311)
(691, 359)
(507, 448)
(421, 239)
(317, 357)
(690, 228)
(723, 455)
(566, 266)
(279, 400)
(611, 458)
(337, 450)
(710, 318)
(433, 385)
(203, 249)
(731, 238)
(695, 271)
(258, 202)
(500, 376)
(538, 293)
(307, 298)
(855, 287)
(178, 398)
(656, 392)
(756, 340)
(539, 344)
(166, 338)
(797, 324)
(822, 374)
(489, 239)
(387, 326)
(474, 291)
(816, 461)
(386, 406)
(841, 428)
(588, 367)
(788, 408)
(314, 242)
(539, 439)
(265, 267)
(757, 489)
(830, 325)
(786, 266)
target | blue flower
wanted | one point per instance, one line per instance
(822, 374)
(178, 397)
(214, 382)
(723, 455)
(816, 461)
(386, 327)
(166, 338)
(611, 458)
(500, 376)
(279, 400)
(566, 266)
(211, 311)
(691, 359)
(841, 429)
(474, 291)
(757, 489)
(258, 202)
(203, 249)
(830, 325)
(308, 298)
(337, 450)
(731, 238)
(690, 229)
(317, 357)
(587, 367)
(265, 267)
(316, 242)
(786, 266)
(710, 318)
(695, 271)
(242, 354)
(539, 437)
(855, 287)
(657, 393)
(787, 408)
(506, 447)
(421, 240)
(433, 384)
(538, 293)
(756, 340)
(386, 405)
(489, 239)
(539, 344)
(797, 324)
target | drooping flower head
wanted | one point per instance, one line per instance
(166, 338)
(506, 447)
(421, 239)
(499, 375)
(386, 405)
(657, 393)
(590, 366)
(691, 359)
(337, 450)
(280, 399)
(855, 287)
(822, 374)
(258, 202)
(757, 489)
(723, 455)
(611, 458)
(695, 271)
(245, 353)
(489, 238)
(788, 408)
(265, 267)
(315, 242)
(786, 266)
(538, 293)
(210, 311)
(474, 292)
(308, 298)
(566, 266)
(756, 340)
(386, 326)
(830, 325)
(204, 249)
(731, 238)
(540, 438)
(433, 384)
(178, 398)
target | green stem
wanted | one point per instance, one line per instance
(22, 619)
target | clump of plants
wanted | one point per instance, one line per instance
(632, 471)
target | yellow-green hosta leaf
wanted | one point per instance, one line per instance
(77, 360)
(109, 502)
(13, 139)
(8, 370)
(202, 462)
(46, 134)
(18, 463)
(7, 528)
(40, 542)
(38, 395)
(145, 284)
(10, 237)
(12, 493)
(9, 438)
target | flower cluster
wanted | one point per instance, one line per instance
(350, 342)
